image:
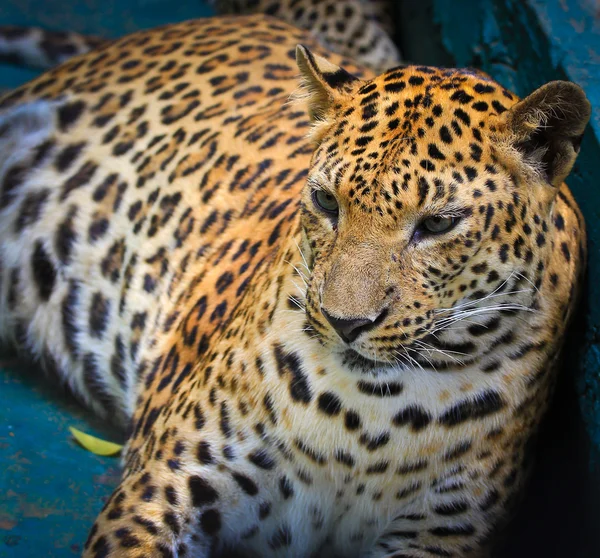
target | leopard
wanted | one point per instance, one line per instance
(326, 306)
(362, 30)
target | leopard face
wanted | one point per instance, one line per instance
(424, 228)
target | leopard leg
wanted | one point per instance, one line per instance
(195, 511)
(461, 517)
(141, 521)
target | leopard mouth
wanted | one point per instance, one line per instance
(356, 362)
(427, 352)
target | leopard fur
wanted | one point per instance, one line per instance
(296, 380)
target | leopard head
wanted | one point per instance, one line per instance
(429, 201)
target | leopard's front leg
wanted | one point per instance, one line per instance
(179, 496)
(193, 492)
(147, 517)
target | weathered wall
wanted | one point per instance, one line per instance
(523, 44)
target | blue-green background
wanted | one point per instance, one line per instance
(51, 489)
(105, 18)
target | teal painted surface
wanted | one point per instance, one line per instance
(575, 28)
(51, 489)
(106, 18)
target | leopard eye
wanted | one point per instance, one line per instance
(438, 224)
(325, 202)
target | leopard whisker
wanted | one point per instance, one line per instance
(502, 306)
(446, 352)
(295, 301)
(300, 274)
(448, 356)
(411, 360)
(420, 353)
(519, 274)
(464, 315)
(472, 303)
(304, 260)
(479, 301)
(300, 289)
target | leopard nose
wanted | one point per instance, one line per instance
(348, 329)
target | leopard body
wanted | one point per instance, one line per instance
(294, 382)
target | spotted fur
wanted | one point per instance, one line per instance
(295, 381)
(359, 29)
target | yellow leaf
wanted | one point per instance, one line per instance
(95, 445)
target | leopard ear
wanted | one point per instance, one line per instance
(322, 82)
(547, 127)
